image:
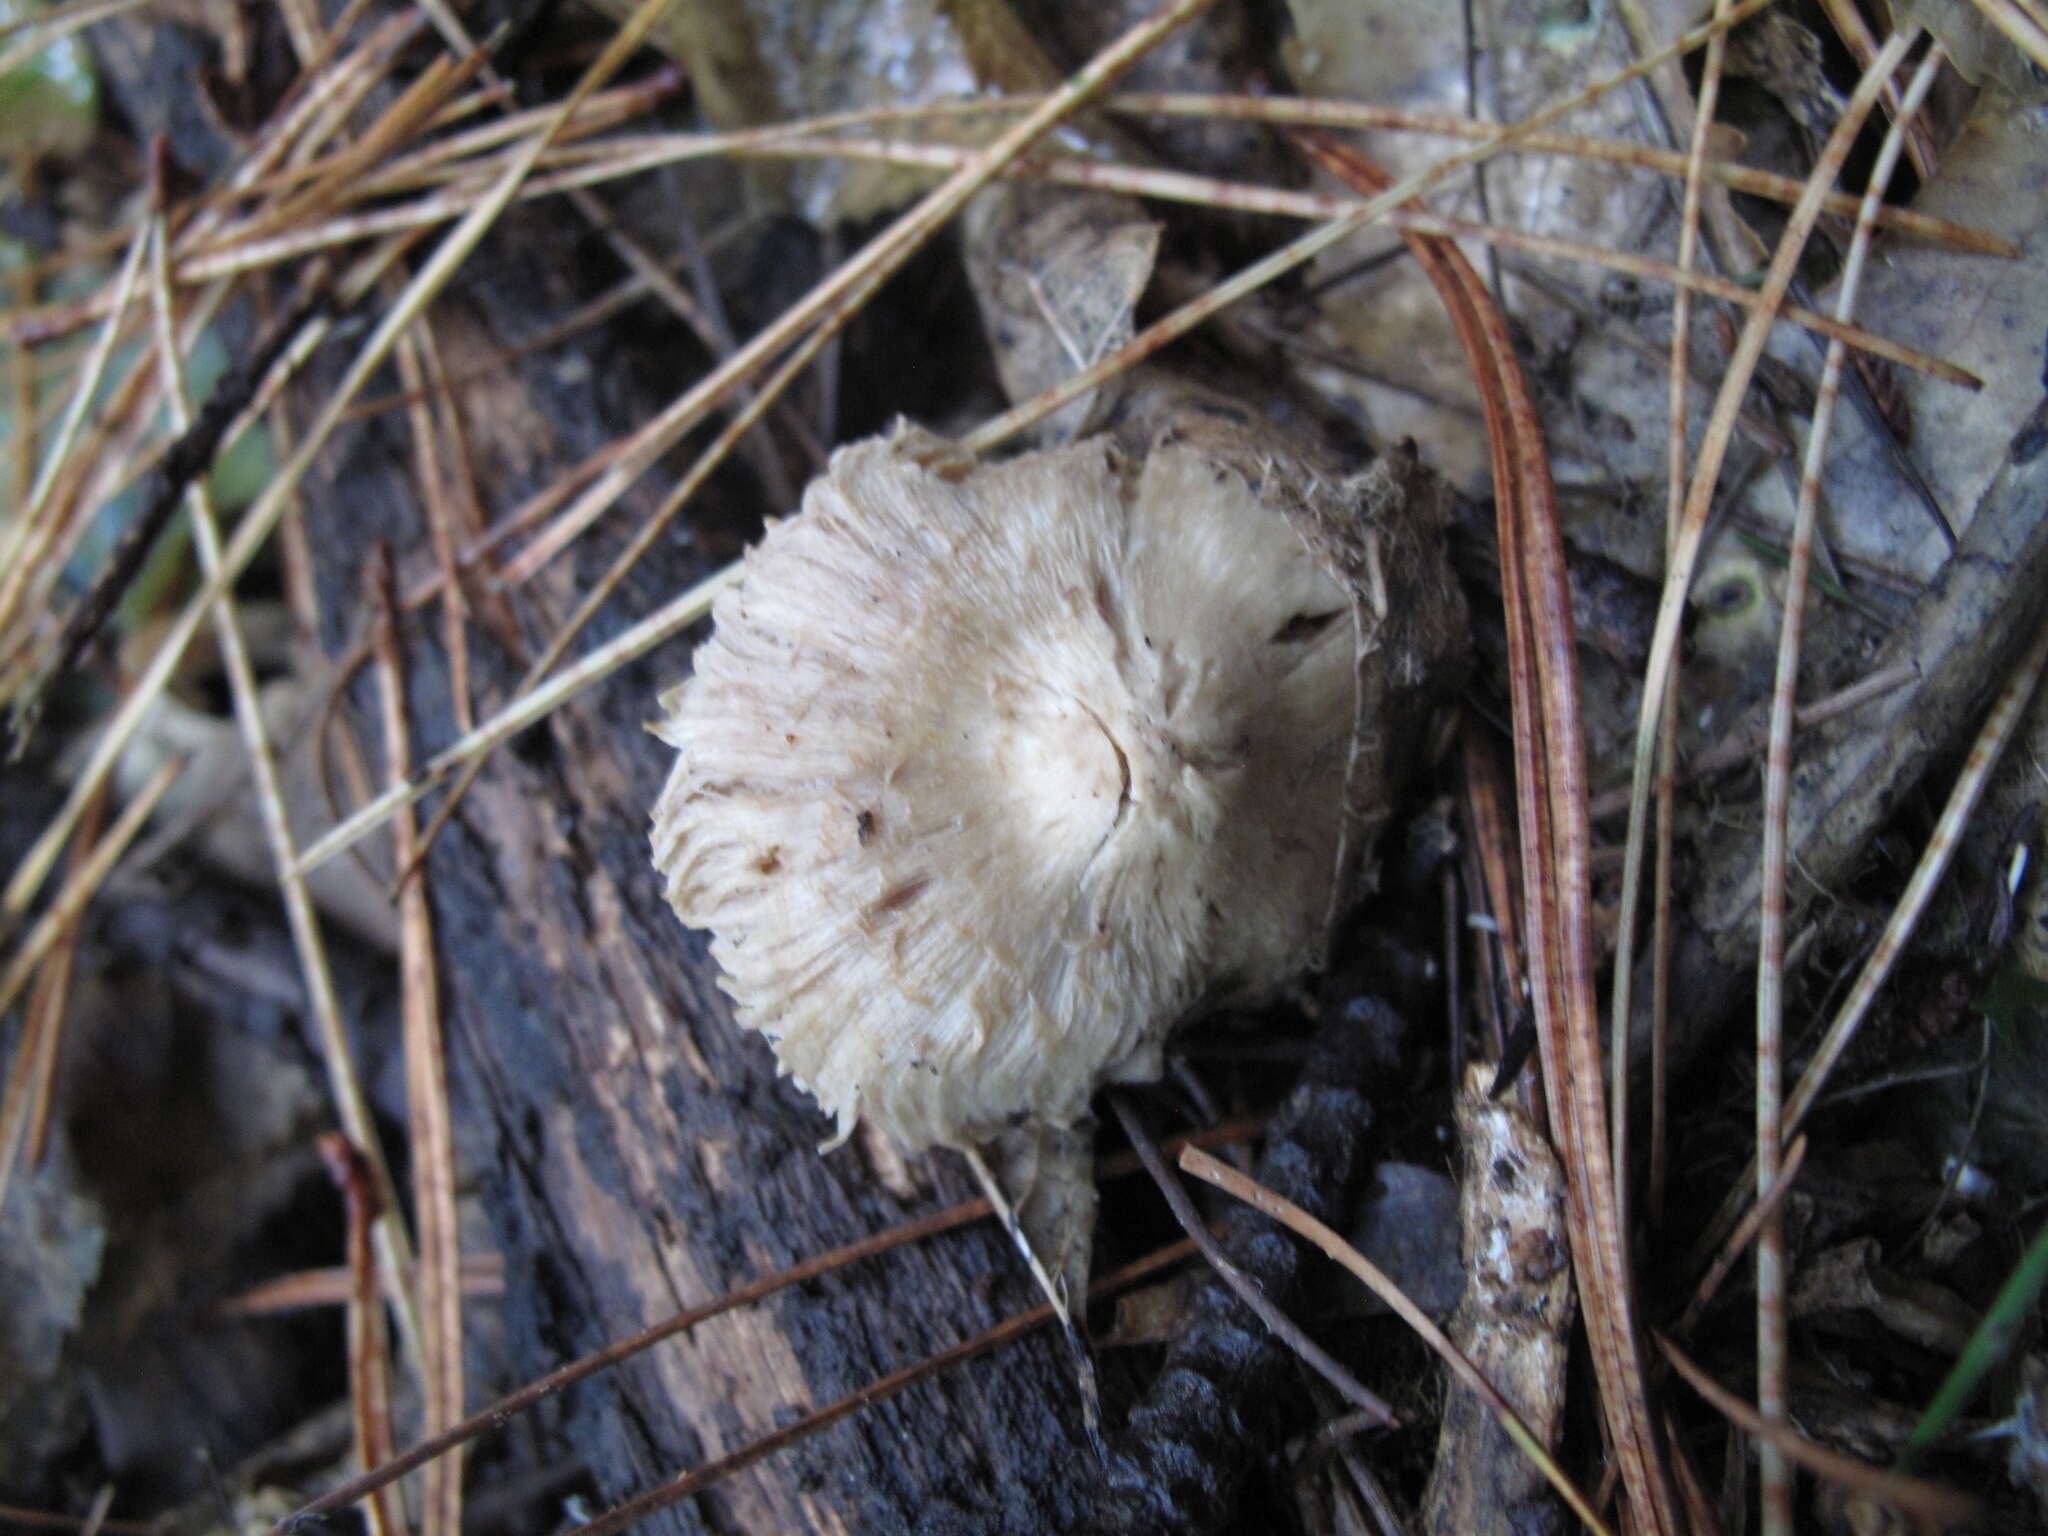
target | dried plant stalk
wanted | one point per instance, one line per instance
(1772, 1365)
(432, 1139)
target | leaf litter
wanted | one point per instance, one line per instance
(1352, 338)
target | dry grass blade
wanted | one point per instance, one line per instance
(1361, 1397)
(28, 534)
(1691, 533)
(30, 36)
(1923, 1501)
(2023, 31)
(47, 937)
(1771, 1267)
(369, 1352)
(432, 1129)
(832, 300)
(1552, 806)
(1209, 192)
(1676, 458)
(689, 1484)
(1295, 1219)
(263, 515)
(351, 1104)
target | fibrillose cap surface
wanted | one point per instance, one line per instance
(991, 773)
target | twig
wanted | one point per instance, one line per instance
(1771, 1268)
(369, 1353)
(307, 1289)
(1310, 112)
(1296, 1220)
(432, 1133)
(1739, 1241)
(1741, 745)
(1685, 549)
(1354, 1391)
(1923, 1500)
(1676, 459)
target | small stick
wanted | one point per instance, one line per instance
(1295, 1219)
(1738, 1243)
(1667, 759)
(1685, 548)
(369, 1354)
(438, 1297)
(1923, 1500)
(1772, 1265)
(1354, 1391)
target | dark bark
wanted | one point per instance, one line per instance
(641, 1153)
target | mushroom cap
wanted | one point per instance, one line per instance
(990, 774)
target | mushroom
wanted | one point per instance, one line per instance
(992, 773)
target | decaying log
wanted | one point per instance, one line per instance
(642, 1155)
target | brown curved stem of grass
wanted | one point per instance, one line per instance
(1551, 802)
